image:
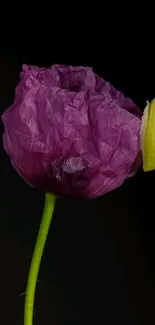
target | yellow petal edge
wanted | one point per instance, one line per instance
(148, 137)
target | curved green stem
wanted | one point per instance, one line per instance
(37, 255)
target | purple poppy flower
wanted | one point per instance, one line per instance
(70, 132)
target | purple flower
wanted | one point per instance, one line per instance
(70, 132)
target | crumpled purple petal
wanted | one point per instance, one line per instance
(70, 132)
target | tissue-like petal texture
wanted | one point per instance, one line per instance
(70, 132)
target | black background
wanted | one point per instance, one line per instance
(98, 265)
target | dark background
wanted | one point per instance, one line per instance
(99, 261)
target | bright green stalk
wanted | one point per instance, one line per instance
(37, 255)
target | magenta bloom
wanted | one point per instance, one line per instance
(70, 132)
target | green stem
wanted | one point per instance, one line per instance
(37, 255)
